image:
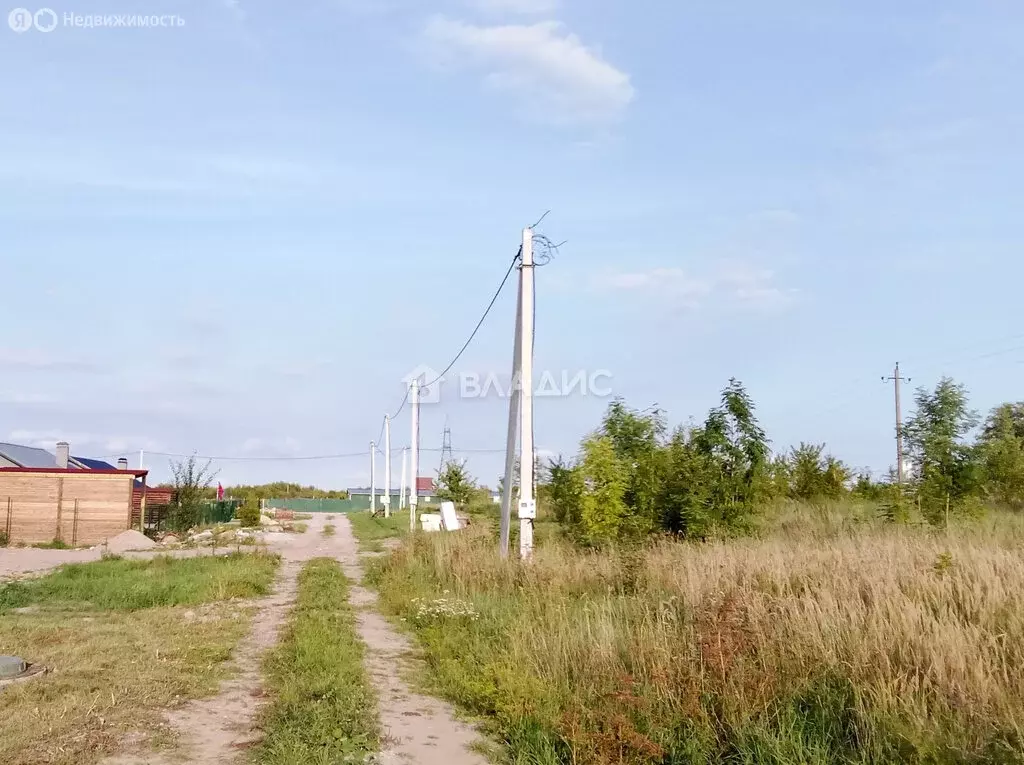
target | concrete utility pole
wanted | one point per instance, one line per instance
(402, 498)
(373, 478)
(414, 463)
(513, 431)
(142, 456)
(386, 499)
(896, 380)
(527, 503)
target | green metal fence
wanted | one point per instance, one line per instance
(161, 517)
(319, 505)
(220, 512)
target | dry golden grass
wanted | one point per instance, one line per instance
(121, 640)
(838, 641)
(110, 674)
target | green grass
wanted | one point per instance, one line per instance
(328, 530)
(371, 531)
(323, 710)
(118, 584)
(56, 544)
(125, 640)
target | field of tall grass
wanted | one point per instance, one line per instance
(830, 638)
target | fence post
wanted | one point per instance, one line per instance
(60, 508)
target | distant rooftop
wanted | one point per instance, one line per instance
(28, 456)
(92, 464)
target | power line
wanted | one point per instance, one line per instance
(405, 398)
(254, 458)
(480, 323)
(401, 406)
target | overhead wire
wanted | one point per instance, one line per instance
(480, 323)
(249, 458)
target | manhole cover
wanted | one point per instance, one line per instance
(12, 666)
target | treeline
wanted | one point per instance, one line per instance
(634, 477)
(189, 474)
(281, 490)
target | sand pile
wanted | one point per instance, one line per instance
(130, 540)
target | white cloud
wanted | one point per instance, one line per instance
(753, 287)
(557, 77)
(672, 282)
(736, 283)
(514, 6)
(82, 443)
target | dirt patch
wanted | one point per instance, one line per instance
(419, 730)
(130, 540)
(219, 729)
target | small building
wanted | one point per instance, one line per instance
(425, 492)
(46, 497)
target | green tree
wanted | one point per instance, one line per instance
(737, 447)
(935, 441)
(602, 502)
(685, 502)
(814, 475)
(454, 484)
(636, 439)
(1001, 454)
(563, 491)
(191, 482)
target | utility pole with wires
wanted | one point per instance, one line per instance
(373, 478)
(414, 462)
(507, 491)
(402, 497)
(527, 503)
(895, 379)
(386, 498)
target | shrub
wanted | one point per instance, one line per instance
(249, 514)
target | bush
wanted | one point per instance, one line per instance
(249, 514)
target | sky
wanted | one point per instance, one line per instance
(235, 233)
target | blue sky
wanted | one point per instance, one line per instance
(236, 236)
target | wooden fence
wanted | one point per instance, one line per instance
(74, 507)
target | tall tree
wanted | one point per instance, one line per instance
(636, 437)
(935, 439)
(685, 502)
(1001, 454)
(738, 448)
(603, 488)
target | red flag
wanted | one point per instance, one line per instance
(220, 492)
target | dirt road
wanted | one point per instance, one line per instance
(15, 561)
(419, 730)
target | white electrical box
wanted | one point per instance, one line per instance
(528, 509)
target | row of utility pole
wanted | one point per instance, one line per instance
(520, 428)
